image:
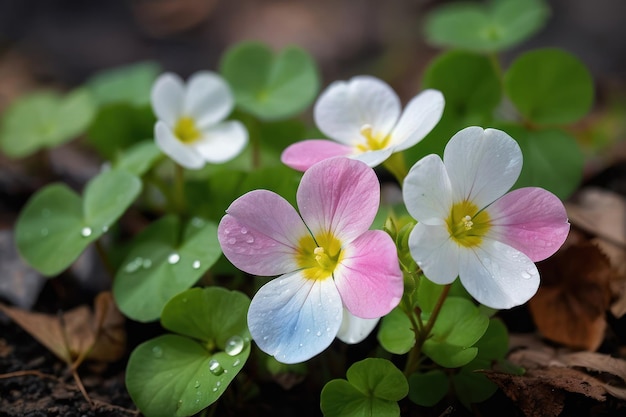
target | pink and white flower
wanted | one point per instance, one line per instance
(191, 128)
(364, 119)
(326, 257)
(467, 225)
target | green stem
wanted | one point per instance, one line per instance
(423, 335)
(396, 165)
(105, 259)
(179, 189)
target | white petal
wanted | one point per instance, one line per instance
(498, 275)
(345, 107)
(167, 98)
(435, 252)
(419, 117)
(208, 99)
(373, 158)
(294, 318)
(427, 192)
(222, 142)
(184, 155)
(482, 164)
(354, 329)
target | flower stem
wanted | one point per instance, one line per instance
(424, 333)
(179, 189)
(396, 165)
(104, 257)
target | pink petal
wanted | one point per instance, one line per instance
(260, 234)
(340, 196)
(369, 277)
(302, 155)
(532, 220)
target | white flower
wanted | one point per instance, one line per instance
(191, 128)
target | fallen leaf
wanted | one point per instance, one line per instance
(575, 293)
(77, 333)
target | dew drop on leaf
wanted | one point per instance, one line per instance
(196, 264)
(197, 384)
(146, 263)
(234, 345)
(215, 367)
(173, 258)
(85, 232)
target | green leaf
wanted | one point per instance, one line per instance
(56, 224)
(494, 344)
(459, 325)
(373, 388)
(552, 160)
(427, 389)
(171, 375)
(494, 27)
(471, 386)
(270, 86)
(164, 260)
(44, 119)
(428, 294)
(119, 126)
(550, 86)
(472, 94)
(139, 158)
(395, 334)
(129, 84)
(213, 315)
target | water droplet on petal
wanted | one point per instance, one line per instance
(85, 232)
(173, 258)
(234, 345)
(196, 264)
(318, 333)
(232, 241)
(526, 275)
(215, 367)
(157, 351)
(244, 230)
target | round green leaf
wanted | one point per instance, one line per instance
(552, 160)
(549, 86)
(494, 344)
(395, 334)
(139, 158)
(161, 263)
(171, 375)
(373, 388)
(447, 355)
(131, 84)
(213, 315)
(473, 387)
(56, 224)
(493, 27)
(44, 120)
(427, 294)
(427, 389)
(270, 86)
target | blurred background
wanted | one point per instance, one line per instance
(63, 42)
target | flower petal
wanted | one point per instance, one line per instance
(293, 318)
(340, 196)
(369, 277)
(260, 234)
(302, 155)
(532, 220)
(222, 142)
(167, 98)
(435, 252)
(498, 275)
(427, 191)
(373, 158)
(355, 329)
(208, 99)
(345, 107)
(419, 117)
(482, 164)
(182, 154)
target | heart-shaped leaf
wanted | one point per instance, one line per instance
(174, 375)
(373, 388)
(162, 262)
(139, 158)
(44, 119)
(550, 86)
(56, 224)
(493, 27)
(129, 84)
(270, 86)
(428, 388)
(395, 333)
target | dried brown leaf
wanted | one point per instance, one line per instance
(570, 306)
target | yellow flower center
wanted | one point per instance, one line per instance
(467, 225)
(373, 141)
(318, 256)
(186, 131)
